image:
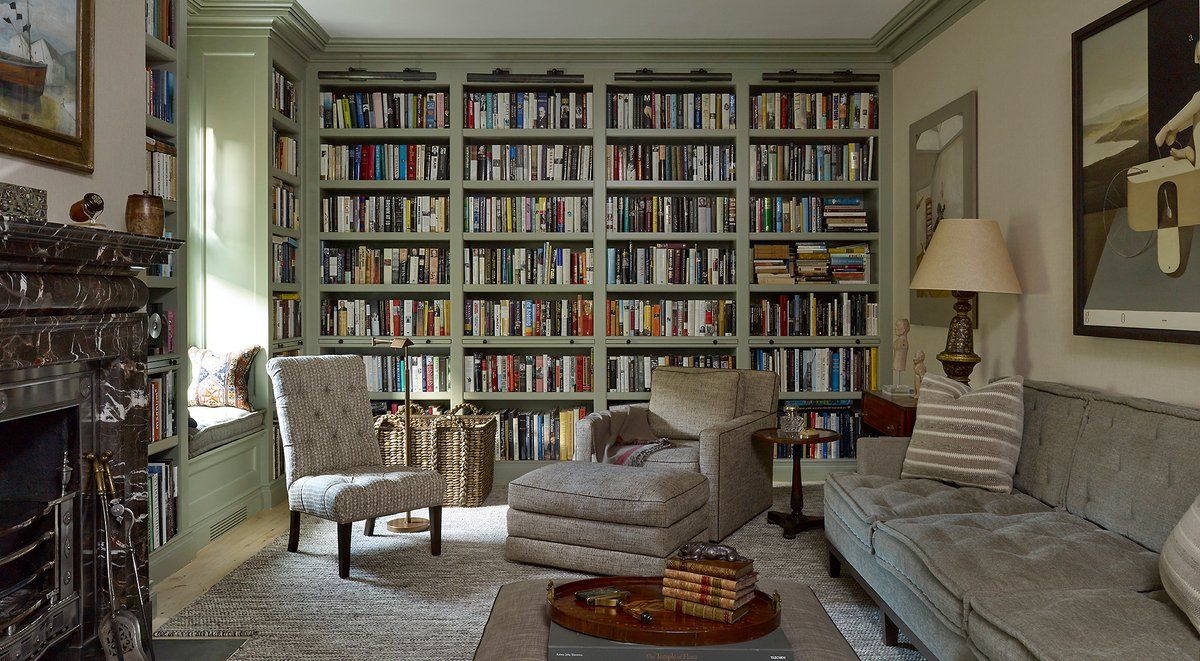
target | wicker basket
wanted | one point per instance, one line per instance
(460, 445)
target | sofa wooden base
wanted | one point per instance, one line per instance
(892, 625)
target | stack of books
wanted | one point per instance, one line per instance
(812, 262)
(845, 214)
(850, 263)
(772, 264)
(717, 590)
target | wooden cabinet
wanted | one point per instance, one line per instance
(888, 415)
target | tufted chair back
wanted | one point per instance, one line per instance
(324, 413)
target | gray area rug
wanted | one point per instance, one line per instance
(402, 603)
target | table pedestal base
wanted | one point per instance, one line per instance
(794, 523)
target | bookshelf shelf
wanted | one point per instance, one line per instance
(171, 359)
(395, 237)
(371, 186)
(529, 396)
(564, 237)
(528, 186)
(359, 341)
(285, 287)
(387, 135)
(764, 342)
(770, 237)
(687, 341)
(386, 288)
(284, 123)
(807, 287)
(671, 134)
(285, 231)
(157, 52)
(416, 396)
(818, 186)
(671, 186)
(528, 341)
(160, 282)
(533, 289)
(851, 394)
(832, 135)
(285, 177)
(168, 443)
(159, 128)
(670, 289)
(614, 396)
(526, 135)
(723, 237)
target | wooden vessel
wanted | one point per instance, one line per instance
(666, 627)
(24, 74)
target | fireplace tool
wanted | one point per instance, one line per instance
(125, 519)
(119, 631)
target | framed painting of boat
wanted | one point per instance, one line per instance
(46, 81)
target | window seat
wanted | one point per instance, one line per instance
(217, 426)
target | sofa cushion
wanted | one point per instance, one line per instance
(861, 501)
(685, 403)
(950, 558)
(967, 437)
(1095, 624)
(647, 496)
(218, 426)
(1136, 468)
(1179, 565)
(683, 455)
(1053, 416)
(643, 540)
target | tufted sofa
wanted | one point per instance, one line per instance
(1066, 566)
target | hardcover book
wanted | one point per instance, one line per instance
(567, 644)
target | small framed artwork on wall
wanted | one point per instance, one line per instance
(1136, 85)
(46, 81)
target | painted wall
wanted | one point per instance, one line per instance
(1017, 55)
(120, 125)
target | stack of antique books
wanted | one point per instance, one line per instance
(718, 590)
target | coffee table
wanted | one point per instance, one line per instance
(795, 521)
(518, 627)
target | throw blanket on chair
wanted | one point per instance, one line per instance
(635, 453)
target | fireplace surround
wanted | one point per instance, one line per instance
(72, 381)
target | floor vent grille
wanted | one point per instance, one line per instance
(225, 525)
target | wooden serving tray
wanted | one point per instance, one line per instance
(667, 627)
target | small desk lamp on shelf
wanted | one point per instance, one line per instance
(407, 523)
(965, 256)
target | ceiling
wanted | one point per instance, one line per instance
(603, 19)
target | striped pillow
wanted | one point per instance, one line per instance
(970, 438)
(1179, 564)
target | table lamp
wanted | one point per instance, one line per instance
(965, 256)
(407, 523)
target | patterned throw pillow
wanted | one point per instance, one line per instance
(971, 438)
(220, 379)
(1179, 564)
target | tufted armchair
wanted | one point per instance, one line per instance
(331, 456)
(709, 416)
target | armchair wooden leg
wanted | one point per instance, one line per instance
(369, 527)
(294, 533)
(435, 530)
(343, 550)
(835, 565)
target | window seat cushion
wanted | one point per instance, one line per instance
(220, 425)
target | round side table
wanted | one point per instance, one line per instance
(795, 521)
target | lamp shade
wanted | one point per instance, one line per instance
(966, 254)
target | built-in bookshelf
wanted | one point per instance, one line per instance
(521, 232)
(167, 365)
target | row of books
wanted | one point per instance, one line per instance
(554, 109)
(385, 213)
(160, 94)
(162, 496)
(426, 373)
(285, 316)
(691, 317)
(384, 110)
(670, 213)
(277, 465)
(670, 162)
(839, 415)
(719, 590)
(283, 264)
(527, 213)
(814, 110)
(809, 213)
(385, 162)
(672, 110)
(632, 373)
(671, 264)
(361, 265)
(537, 435)
(842, 314)
(287, 153)
(393, 317)
(283, 94)
(527, 373)
(160, 389)
(811, 261)
(285, 206)
(557, 317)
(851, 161)
(160, 20)
(528, 162)
(541, 265)
(841, 369)
(162, 173)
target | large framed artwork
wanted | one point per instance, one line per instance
(46, 81)
(942, 157)
(1136, 84)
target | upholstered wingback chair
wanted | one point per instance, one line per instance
(331, 454)
(709, 416)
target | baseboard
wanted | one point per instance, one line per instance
(183, 548)
(812, 472)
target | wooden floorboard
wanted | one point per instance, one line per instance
(216, 560)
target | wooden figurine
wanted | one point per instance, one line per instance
(900, 346)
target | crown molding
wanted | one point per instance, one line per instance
(915, 25)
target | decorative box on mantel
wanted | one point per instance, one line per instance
(72, 381)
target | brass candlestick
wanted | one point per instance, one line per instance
(959, 358)
(407, 523)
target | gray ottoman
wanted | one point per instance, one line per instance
(604, 519)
